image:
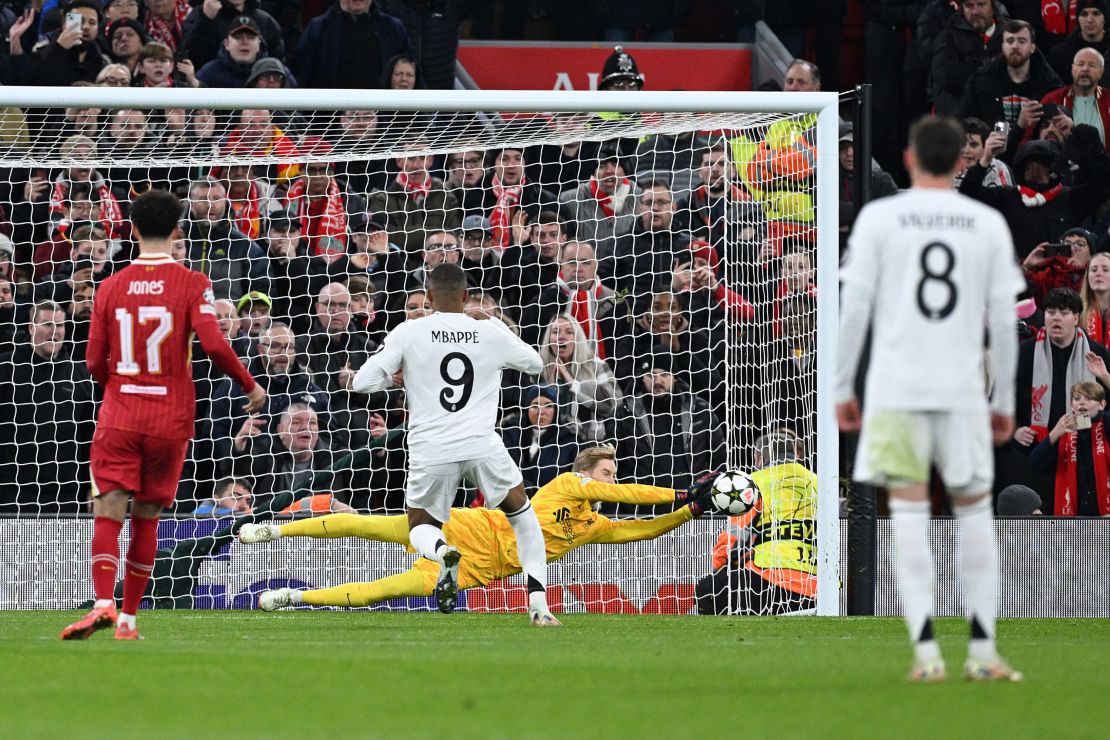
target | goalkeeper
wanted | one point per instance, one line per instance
(485, 539)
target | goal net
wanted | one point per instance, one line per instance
(672, 263)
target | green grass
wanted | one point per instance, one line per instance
(359, 674)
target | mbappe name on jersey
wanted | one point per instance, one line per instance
(949, 221)
(455, 337)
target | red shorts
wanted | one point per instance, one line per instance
(149, 467)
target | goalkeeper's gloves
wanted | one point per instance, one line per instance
(697, 496)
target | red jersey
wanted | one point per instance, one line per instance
(143, 321)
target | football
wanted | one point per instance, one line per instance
(734, 493)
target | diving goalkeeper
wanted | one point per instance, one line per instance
(485, 539)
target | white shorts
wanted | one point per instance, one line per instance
(433, 487)
(899, 446)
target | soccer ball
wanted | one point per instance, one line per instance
(734, 493)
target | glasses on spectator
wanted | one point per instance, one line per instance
(280, 346)
(649, 202)
(442, 247)
(317, 169)
(473, 160)
(116, 81)
(335, 305)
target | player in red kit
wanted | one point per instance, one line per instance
(144, 318)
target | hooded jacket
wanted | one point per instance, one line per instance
(223, 71)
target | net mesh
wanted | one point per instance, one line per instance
(663, 265)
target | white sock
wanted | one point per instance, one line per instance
(102, 603)
(276, 529)
(426, 539)
(529, 545)
(913, 564)
(296, 596)
(537, 602)
(126, 619)
(979, 573)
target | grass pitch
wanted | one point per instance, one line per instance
(359, 674)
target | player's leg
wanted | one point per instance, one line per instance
(428, 497)
(412, 582)
(162, 461)
(109, 511)
(503, 487)
(895, 450)
(333, 526)
(965, 458)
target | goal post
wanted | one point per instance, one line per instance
(733, 372)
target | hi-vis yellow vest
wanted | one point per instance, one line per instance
(787, 525)
(779, 170)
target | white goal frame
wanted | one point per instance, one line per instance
(823, 104)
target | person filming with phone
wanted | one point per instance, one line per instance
(1076, 450)
(1059, 264)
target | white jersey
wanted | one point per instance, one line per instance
(930, 269)
(452, 367)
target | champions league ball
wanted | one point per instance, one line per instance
(734, 493)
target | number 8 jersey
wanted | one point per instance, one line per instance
(929, 269)
(143, 322)
(452, 365)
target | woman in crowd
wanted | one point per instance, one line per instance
(588, 392)
(540, 445)
(1095, 292)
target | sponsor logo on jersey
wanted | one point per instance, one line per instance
(146, 287)
(209, 296)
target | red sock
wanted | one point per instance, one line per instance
(140, 561)
(105, 556)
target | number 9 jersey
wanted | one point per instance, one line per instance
(143, 322)
(929, 269)
(452, 366)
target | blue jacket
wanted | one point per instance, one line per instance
(234, 263)
(558, 449)
(317, 59)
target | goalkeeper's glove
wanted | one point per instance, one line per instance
(697, 496)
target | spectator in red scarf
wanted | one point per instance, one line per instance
(78, 207)
(796, 278)
(1095, 293)
(970, 38)
(508, 192)
(604, 207)
(415, 203)
(481, 260)
(1076, 450)
(577, 293)
(319, 203)
(249, 198)
(83, 149)
(165, 19)
(1048, 266)
(256, 135)
(718, 203)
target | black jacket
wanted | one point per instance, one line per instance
(987, 89)
(557, 450)
(318, 53)
(202, 37)
(53, 65)
(1063, 53)
(234, 263)
(958, 52)
(643, 262)
(433, 28)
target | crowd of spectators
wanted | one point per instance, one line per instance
(609, 257)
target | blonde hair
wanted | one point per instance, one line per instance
(1090, 302)
(112, 68)
(1090, 390)
(582, 365)
(588, 458)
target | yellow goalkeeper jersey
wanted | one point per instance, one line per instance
(565, 511)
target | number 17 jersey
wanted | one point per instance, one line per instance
(142, 324)
(929, 262)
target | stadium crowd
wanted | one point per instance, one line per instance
(608, 257)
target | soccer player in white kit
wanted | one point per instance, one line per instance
(451, 367)
(926, 268)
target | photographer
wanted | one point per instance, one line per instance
(1077, 451)
(1059, 265)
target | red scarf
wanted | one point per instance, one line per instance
(1059, 16)
(500, 218)
(164, 32)
(417, 191)
(279, 146)
(1067, 480)
(1097, 328)
(1035, 198)
(604, 200)
(111, 216)
(782, 292)
(323, 218)
(583, 307)
(247, 213)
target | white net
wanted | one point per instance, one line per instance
(663, 265)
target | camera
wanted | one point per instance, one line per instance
(1059, 249)
(1002, 127)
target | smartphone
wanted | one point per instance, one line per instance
(1082, 422)
(1059, 249)
(1002, 127)
(73, 22)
